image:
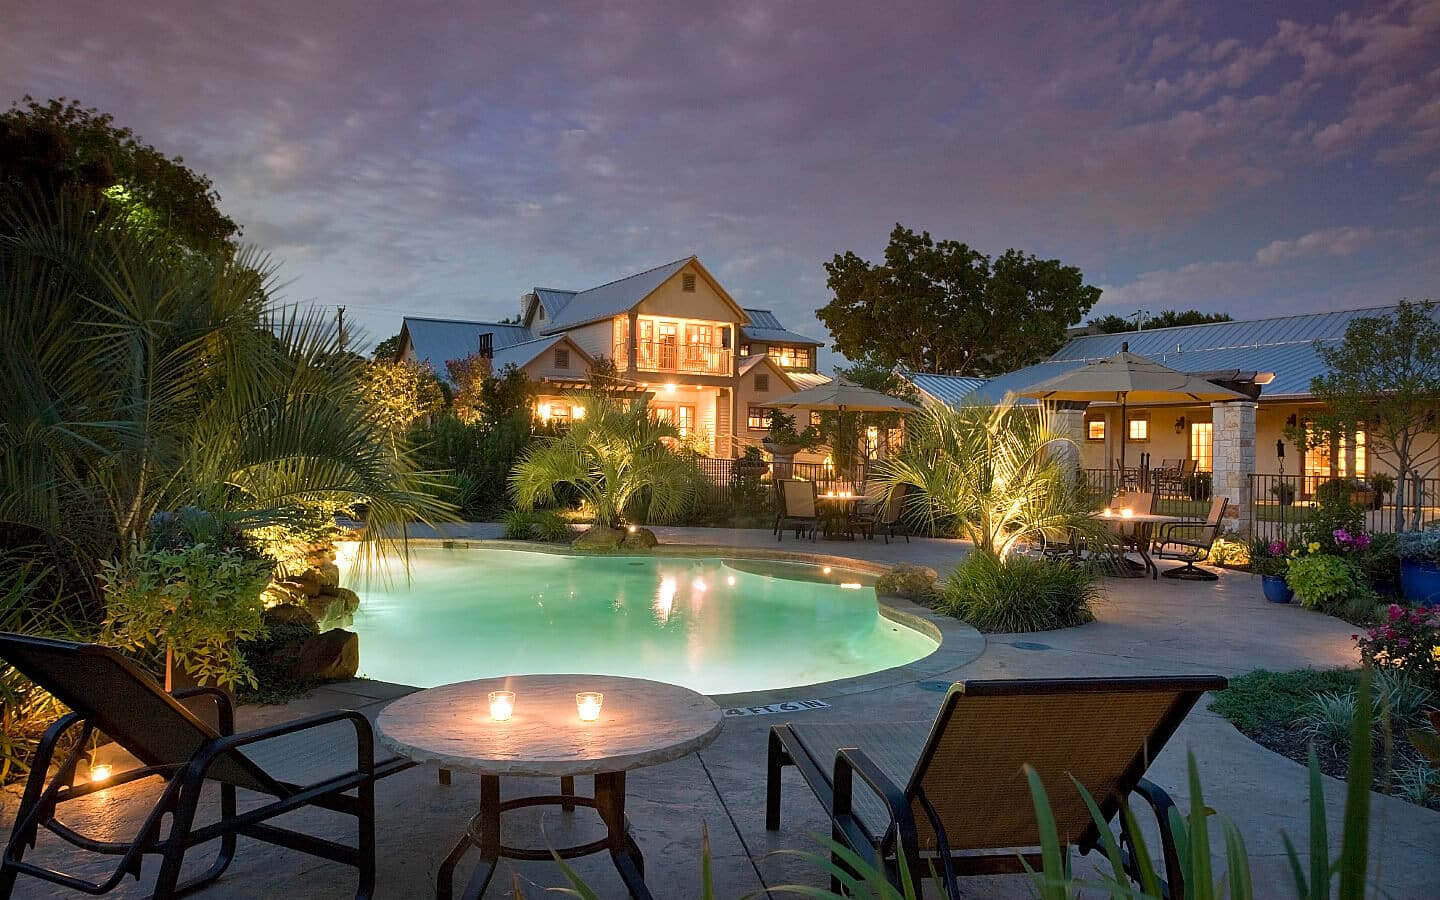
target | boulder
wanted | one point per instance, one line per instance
(602, 539)
(307, 582)
(327, 655)
(909, 581)
(329, 575)
(337, 611)
(289, 614)
(347, 598)
(639, 539)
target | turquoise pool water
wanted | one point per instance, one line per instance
(717, 626)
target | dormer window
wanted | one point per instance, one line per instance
(562, 357)
(687, 282)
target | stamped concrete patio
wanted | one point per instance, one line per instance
(1143, 627)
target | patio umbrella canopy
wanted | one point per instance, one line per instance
(843, 396)
(1125, 377)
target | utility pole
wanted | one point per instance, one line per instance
(1140, 317)
(340, 319)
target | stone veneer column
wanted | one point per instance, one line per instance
(1069, 420)
(1233, 460)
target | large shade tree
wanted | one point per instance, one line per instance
(942, 306)
(1384, 379)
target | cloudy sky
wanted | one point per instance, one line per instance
(442, 158)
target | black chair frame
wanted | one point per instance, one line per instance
(350, 793)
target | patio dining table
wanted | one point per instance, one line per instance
(837, 513)
(641, 723)
(1136, 530)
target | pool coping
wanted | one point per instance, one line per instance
(956, 642)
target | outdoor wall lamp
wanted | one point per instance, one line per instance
(1180, 425)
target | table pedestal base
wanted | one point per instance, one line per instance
(483, 833)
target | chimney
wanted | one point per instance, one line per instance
(525, 301)
(487, 345)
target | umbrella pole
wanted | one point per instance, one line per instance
(1124, 430)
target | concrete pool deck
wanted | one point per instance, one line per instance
(1142, 627)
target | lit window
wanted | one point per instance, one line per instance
(815, 418)
(790, 357)
(1202, 444)
(757, 418)
(1140, 429)
(744, 349)
(872, 440)
(1095, 430)
(762, 384)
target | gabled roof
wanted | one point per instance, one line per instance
(437, 341)
(610, 299)
(746, 363)
(522, 354)
(951, 390)
(553, 300)
(764, 328)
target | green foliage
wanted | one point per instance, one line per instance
(386, 350)
(618, 462)
(1019, 593)
(940, 306)
(1269, 557)
(1405, 641)
(782, 431)
(1384, 378)
(141, 378)
(271, 666)
(1263, 699)
(552, 527)
(1383, 483)
(1333, 512)
(1331, 584)
(1168, 318)
(1379, 561)
(993, 471)
(401, 394)
(199, 601)
(480, 457)
(54, 148)
(519, 525)
(1329, 718)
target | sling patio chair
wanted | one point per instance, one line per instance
(112, 696)
(951, 796)
(886, 515)
(1190, 542)
(797, 505)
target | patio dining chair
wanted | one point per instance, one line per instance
(109, 695)
(952, 797)
(797, 505)
(1190, 542)
(886, 514)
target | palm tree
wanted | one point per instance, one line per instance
(620, 461)
(993, 470)
(141, 376)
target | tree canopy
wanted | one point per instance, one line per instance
(1384, 379)
(61, 148)
(941, 306)
(1113, 324)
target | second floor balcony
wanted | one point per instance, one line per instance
(675, 356)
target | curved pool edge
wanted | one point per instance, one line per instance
(957, 643)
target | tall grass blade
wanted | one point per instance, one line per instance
(1237, 862)
(1355, 836)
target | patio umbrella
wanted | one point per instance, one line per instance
(843, 396)
(1125, 377)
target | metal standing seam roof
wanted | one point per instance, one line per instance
(765, 328)
(611, 299)
(951, 390)
(553, 300)
(437, 341)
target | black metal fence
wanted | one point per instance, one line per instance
(1281, 504)
(728, 478)
(1171, 496)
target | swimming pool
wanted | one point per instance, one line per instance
(714, 625)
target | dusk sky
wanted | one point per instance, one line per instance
(443, 158)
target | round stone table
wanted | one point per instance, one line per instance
(642, 723)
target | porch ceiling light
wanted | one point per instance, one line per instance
(670, 388)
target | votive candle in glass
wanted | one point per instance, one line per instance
(1126, 513)
(502, 704)
(587, 703)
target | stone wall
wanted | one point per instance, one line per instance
(1234, 460)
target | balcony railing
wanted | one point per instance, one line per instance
(669, 356)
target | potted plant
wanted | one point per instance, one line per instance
(1271, 561)
(751, 464)
(194, 590)
(1420, 566)
(1384, 485)
(783, 441)
(1284, 491)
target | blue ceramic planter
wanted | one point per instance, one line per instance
(1275, 588)
(1420, 581)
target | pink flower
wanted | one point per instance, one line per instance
(1277, 548)
(1390, 633)
(1403, 643)
(1396, 612)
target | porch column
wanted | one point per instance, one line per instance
(1233, 460)
(1350, 454)
(632, 339)
(1068, 419)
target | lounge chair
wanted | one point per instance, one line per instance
(952, 795)
(1191, 543)
(112, 696)
(797, 507)
(887, 514)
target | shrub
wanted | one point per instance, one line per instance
(1019, 593)
(1333, 512)
(1380, 561)
(1408, 641)
(1269, 557)
(552, 526)
(1404, 698)
(519, 525)
(1383, 483)
(1331, 584)
(1329, 718)
(1420, 546)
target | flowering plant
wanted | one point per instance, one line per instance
(1408, 640)
(1346, 541)
(1269, 557)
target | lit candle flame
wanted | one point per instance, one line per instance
(502, 705)
(588, 704)
(100, 773)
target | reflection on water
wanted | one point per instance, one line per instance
(716, 626)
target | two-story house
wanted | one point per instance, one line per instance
(673, 332)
